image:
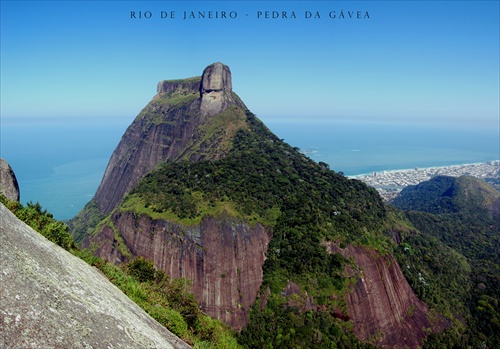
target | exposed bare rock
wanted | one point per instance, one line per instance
(382, 306)
(216, 87)
(8, 181)
(223, 257)
(52, 299)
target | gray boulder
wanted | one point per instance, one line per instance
(52, 299)
(8, 181)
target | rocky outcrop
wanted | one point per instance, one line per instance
(223, 257)
(171, 86)
(216, 87)
(175, 125)
(52, 299)
(8, 181)
(382, 306)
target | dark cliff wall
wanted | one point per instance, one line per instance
(143, 146)
(382, 306)
(223, 257)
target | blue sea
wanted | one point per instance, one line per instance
(60, 162)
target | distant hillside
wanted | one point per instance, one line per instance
(444, 194)
(463, 214)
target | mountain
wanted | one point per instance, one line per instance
(458, 220)
(52, 299)
(184, 121)
(463, 211)
(443, 194)
(284, 249)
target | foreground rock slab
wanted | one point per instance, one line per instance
(52, 299)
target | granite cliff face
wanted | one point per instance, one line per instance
(223, 257)
(382, 306)
(52, 299)
(8, 181)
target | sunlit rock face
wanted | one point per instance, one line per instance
(216, 87)
(382, 306)
(52, 299)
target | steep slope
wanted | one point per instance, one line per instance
(223, 257)
(184, 121)
(444, 194)
(247, 217)
(461, 214)
(382, 306)
(52, 299)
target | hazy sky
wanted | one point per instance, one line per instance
(410, 60)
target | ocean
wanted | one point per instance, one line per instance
(60, 162)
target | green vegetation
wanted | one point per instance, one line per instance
(42, 221)
(85, 221)
(454, 257)
(447, 240)
(265, 181)
(213, 137)
(168, 301)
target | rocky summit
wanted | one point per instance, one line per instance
(52, 299)
(216, 87)
(184, 121)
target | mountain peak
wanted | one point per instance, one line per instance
(215, 89)
(216, 78)
(191, 119)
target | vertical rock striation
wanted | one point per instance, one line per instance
(382, 306)
(222, 257)
(216, 87)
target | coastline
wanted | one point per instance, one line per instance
(390, 183)
(420, 168)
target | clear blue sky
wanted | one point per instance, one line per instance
(411, 60)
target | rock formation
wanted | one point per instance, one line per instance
(382, 306)
(191, 119)
(8, 181)
(222, 257)
(52, 299)
(216, 87)
(170, 127)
